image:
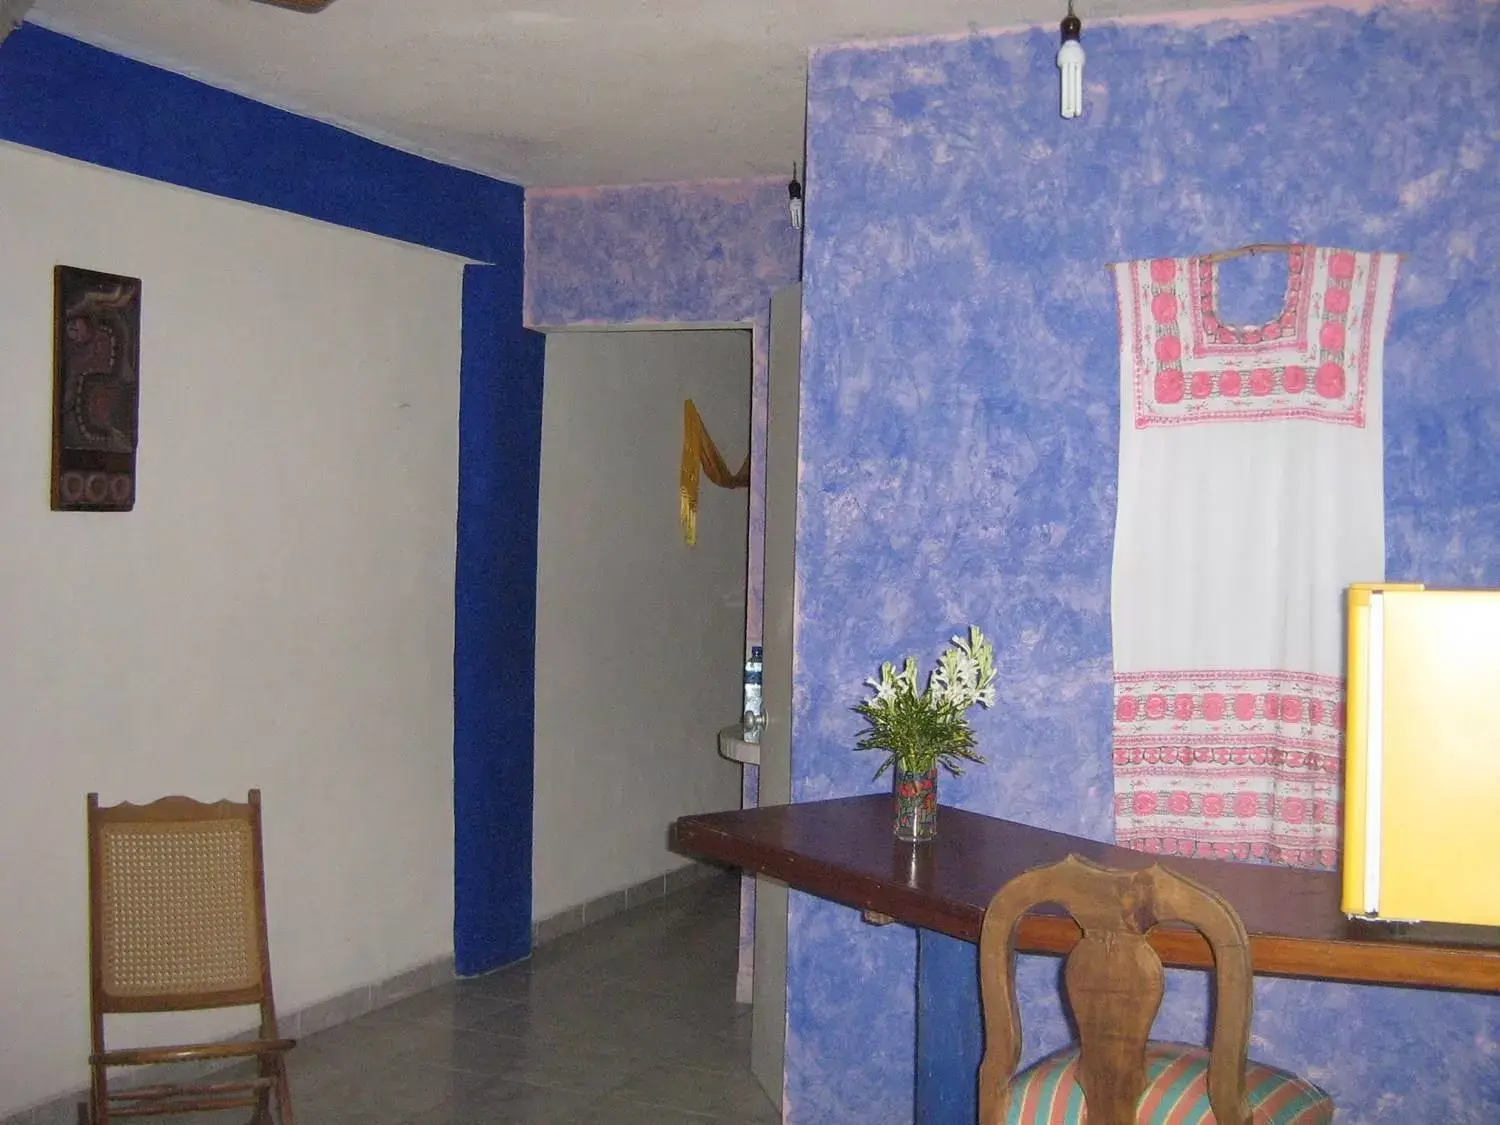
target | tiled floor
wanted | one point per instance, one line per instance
(628, 1022)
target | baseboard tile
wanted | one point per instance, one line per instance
(298, 1024)
(597, 909)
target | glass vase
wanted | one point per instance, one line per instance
(916, 805)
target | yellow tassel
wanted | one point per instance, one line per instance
(688, 514)
(699, 451)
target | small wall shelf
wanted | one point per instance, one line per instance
(736, 749)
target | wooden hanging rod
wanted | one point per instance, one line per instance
(1253, 248)
(1239, 252)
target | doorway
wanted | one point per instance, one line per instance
(639, 637)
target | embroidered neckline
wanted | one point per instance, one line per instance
(1311, 362)
(1282, 325)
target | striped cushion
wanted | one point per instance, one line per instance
(1176, 1092)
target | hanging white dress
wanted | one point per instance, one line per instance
(1251, 493)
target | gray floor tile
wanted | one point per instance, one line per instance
(578, 1065)
(450, 1004)
(630, 1020)
(615, 1111)
(384, 1095)
(507, 1103)
(732, 1096)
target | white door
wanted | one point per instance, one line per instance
(768, 1030)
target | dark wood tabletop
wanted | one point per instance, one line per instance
(844, 850)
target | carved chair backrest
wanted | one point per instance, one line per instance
(1114, 984)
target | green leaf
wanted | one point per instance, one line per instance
(918, 730)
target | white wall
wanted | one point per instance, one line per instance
(639, 637)
(276, 612)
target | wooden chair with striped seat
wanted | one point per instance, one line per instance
(1114, 981)
(177, 922)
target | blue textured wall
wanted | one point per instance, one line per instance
(65, 97)
(960, 415)
(688, 253)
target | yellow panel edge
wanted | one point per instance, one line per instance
(1356, 703)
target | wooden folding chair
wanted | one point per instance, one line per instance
(177, 922)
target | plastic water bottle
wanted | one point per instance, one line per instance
(754, 717)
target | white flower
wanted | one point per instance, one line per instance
(964, 676)
(890, 680)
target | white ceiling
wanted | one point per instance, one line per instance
(543, 92)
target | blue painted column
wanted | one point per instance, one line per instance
(494, 642)
(950, 1022)
(950, 1031)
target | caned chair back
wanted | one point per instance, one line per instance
(180, 904)
(177, 921)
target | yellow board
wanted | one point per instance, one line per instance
(1422, 771)
(1356, 747)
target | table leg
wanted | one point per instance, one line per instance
(950, 1032)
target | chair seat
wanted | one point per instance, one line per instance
(1048, 1092)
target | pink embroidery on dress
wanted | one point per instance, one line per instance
(1229, 764)
(1190, 367)
(1330, 381)
(1211, 335)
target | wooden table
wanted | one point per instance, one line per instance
(844, 851)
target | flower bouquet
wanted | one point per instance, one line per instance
(920, 730)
